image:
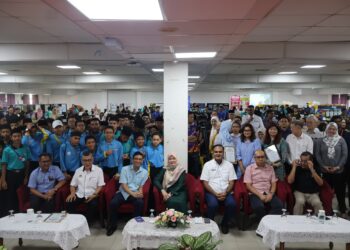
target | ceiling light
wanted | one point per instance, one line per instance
(68, 67)
(288, 73)
(119, 9)
(47, 94)
(3, 73)
(191, 84)
(196, 55)
(92, 73)
(157, 70)
(194, 77)
(313, 66)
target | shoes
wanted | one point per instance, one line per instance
(224, 229)
(110, 230)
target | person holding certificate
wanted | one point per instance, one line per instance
(276, 150)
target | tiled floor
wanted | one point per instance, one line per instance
(235, 240)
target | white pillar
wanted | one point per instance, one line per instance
(175, 111)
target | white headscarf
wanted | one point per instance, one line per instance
(331, 141)
(172, 173)
(214, 132)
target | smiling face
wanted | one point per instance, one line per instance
(331, 131)
(218, 153)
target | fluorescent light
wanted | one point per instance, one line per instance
(313, 66)
(91, 73)
(191, 84)
(119, 9)
(68, 66)
(47, 94)
(196, 55)
(288, 73)
(157, 70)
(3, 73)
(194, 77)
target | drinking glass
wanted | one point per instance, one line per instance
(151, 213)
(309, 211)
(284, 214)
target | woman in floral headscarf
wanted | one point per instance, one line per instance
(171, 183)
(331, 153)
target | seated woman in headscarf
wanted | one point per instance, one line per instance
(171, 183)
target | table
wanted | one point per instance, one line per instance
(276, 229)
(66, 233)
(147, 235)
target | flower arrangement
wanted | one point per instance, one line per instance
(172, 218)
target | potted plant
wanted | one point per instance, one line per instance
(188, 242)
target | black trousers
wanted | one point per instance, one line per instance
(194, 166)
(14, 180)
(153, 173)
(91, 207)
(3, 203)
(337, 182)
(46, 206)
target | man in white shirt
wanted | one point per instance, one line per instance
(311, 128)
(298, 142)
(85, 186)
(253, 119)
(218, 177)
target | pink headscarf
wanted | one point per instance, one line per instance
(172, 172)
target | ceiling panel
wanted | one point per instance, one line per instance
(310, 7)
(28, 9)
(276, 31)
(319, 38)
(159, 27)
(336, 21)
(327, 31)
(21, 32)
(63, 28)
(291, 21)
(206, 9)
(271, 38)
(345, 11)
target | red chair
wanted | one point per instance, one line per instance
(23, 193)
(111, 189)
(193, 191)
(236, 195)
(285, 194)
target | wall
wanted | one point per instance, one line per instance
(139, 99)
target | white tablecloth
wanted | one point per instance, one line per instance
(147, 235)
(66, 233)
(293, 228)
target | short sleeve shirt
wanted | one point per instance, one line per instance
(45, 181)
(87, 181)
(218, 175)
(15, 157)
(133, 179)
(261, 178)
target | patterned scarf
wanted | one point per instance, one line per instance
(331, 141)
(172, 173)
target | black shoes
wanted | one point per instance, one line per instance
(110, 230)
(224, 228)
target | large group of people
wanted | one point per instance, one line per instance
(84, 150)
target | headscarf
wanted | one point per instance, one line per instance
(331, 142)
(172, 172)
(214, 132)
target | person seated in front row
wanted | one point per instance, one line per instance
(85, 186)
(218, 177)
(44, 182)
(171, 182)
(306, 181)
(261, 183)
(132, 179)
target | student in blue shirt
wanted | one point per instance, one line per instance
(15, 168)
(70, 155)
(44, 182)
(70, 127)
(140, 147)
(5, 134)
(155, 154)
(2, 192)
(126, 139)
(132, 179)
(246, 148)
(91, 146)
(34, 139)
(112, 151)
(80, 127)
(55, 141)
(94, 129)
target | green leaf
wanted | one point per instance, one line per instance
(168, 246)
(202, 239)
(189, 240)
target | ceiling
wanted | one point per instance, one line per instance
(255, 39)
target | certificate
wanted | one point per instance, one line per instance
(230, 154)
(272, 154)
